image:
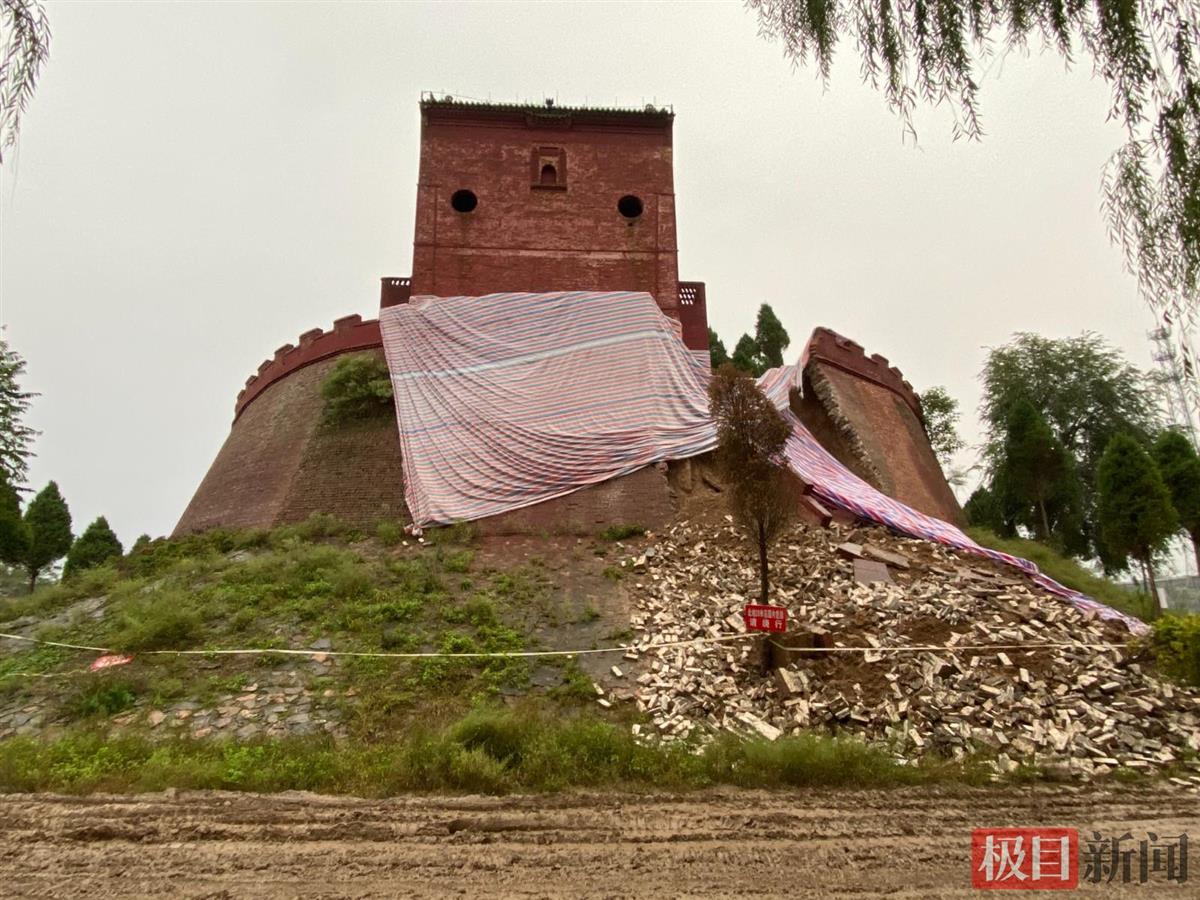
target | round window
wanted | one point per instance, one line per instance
(630, 206)
(464, 201)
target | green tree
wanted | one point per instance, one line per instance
(770, 337)
(717, 354)
(359, 387)
(96, 545)
(1085, 391)
(941, 423)
(49, 524)
(1180, 468)
(15, 435)
(14, 536)
(1036, 472)
(747, 358)
(939, 52)
(1134, 512)
(983, 510)
(750, 438)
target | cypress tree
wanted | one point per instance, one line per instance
(1134, 511)
(49, 524)
(1180, 467)
(717, 354)
(96, 545)
(771, 337)
(14, 536)
(746, 357)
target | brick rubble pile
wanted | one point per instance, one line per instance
(1075, 705)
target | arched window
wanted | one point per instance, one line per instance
(548, 169)
(549, 174)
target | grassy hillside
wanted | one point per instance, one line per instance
(1068, 572)
(366, 725)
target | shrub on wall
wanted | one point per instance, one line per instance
(358, 388)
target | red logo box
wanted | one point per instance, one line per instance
(765, 618)
(1025, 859)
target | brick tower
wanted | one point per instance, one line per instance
(524, 198)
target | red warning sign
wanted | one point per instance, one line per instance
(765, 618)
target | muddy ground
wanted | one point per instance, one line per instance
(901, 843)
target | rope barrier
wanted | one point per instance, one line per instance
(624, 648)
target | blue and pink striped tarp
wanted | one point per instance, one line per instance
(508, 400)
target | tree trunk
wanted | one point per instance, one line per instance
(1154, 604)
(33, 574)
(1195, 536)
(1045, 520)
(762, 563)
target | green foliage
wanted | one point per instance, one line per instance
(770, 337)
(983, 510)
(14, 534)
(1085, 392)
(1036, 477)
(97, 544)
(941, 423)
(105, 697)
(461, 534)
(747, 358)
(15, 436)
(1068, 572)
(1134, 509)
(164, 620)
(1180, 468)
(359, 388)
(717, 354)
(489, 750)
(622, 532)
(389, 533)
(49, 524)
(940, 53)
(459, 561)
(1176, 642)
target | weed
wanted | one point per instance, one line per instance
(1176, 642)
(459, 561)
(104, 698)
(622, 532)
(389, 533)
(613, 573)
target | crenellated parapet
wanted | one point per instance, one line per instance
(349, 333)
(828, 347)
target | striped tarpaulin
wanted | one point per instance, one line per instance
(508, 400)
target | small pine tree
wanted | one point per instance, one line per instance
(14, 536)
(750, 438)
(1134, 512)
(96, 545)
(1180, 467)
(717, 354)
(49, 524)
(771, 337)
(15, 436)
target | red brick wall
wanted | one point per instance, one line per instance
(886, 440)
(526, 238)
(279, 465)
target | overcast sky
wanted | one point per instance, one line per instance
(197, 184)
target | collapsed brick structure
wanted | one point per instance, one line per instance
(514, 197)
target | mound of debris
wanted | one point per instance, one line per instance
(954, 654)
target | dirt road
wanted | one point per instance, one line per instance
(905, 843)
